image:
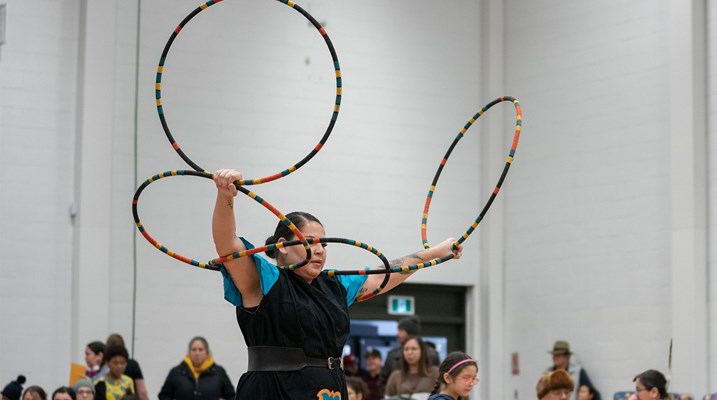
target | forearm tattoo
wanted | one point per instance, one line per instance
(407, 260)
(230, 203)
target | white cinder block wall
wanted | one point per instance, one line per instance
(589, 246)
(38, 87)
(249, 85)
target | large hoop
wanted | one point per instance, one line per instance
(280, 174)
(486, 206)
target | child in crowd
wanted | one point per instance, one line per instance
(115, 384)
(457, 375)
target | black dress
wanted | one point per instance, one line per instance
(293, 313)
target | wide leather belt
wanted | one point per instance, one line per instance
(272, 358)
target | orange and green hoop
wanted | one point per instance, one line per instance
(444, 160)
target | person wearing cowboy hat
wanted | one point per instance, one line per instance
(561, 360)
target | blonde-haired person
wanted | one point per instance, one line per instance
(556, 385)
(197, 377)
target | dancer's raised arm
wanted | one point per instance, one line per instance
(442, 249)
(242, 270)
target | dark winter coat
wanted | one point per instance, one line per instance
(213, 384)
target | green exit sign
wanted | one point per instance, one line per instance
(401, 305)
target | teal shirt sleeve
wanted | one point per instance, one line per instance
(353, 284)
(268, 275)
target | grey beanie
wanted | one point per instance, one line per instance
(84, 382)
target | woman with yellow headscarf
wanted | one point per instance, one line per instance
(197, 377)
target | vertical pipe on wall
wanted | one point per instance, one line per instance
(93, 159)
(75, 295)
(492, 266)
(134, 171)
(688, 195)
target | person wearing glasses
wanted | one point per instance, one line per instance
(84, 389)
(457, 375)
(650, 385)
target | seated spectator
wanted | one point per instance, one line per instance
(556, 385)
(34, 393)
(356, 388)
(415, 375)
(350, 365)
(95, 360)
(115, 384)
(409, 326)
(133, 370)
(372, 376)
(84, 389)
(562, 359)
(13, 390)
(588, 392)
(64, 393)
(651, 385)
(197, 377)
(457, 375)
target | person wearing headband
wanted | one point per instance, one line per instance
(457, 375)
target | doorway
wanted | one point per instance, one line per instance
(441, 309)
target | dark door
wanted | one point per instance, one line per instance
(441, 309)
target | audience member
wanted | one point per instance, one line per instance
(457, 375)
(133, 369)
(562, 360)
(372, 375)
(587, 392)
(197, 377)
(356, 388)
(414, 375)
(84, 389)
(651, 385)
(555, 385)
(114, 384)
(34, 393)
(351, 367)
(64, 393)
(95, 360)
(13, 390)
(409, 326)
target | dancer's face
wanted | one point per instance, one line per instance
(295, 254)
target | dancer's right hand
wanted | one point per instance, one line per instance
(224, 179)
